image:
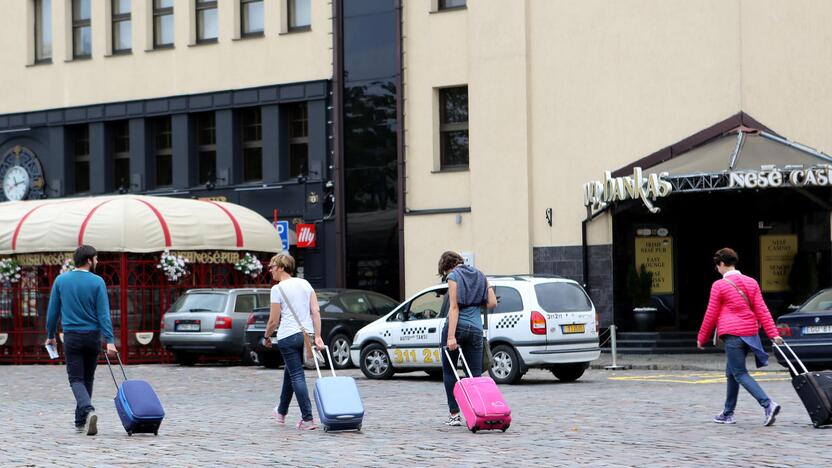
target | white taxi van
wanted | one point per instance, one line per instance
(539, 322)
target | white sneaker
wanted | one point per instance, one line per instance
(91, 424)
(281, 418)
(454, 420)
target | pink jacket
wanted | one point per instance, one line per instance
(729, 312)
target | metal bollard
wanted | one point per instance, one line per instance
(614, 365)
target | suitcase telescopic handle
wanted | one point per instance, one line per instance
(788, 361)
(328, 358)
(453, 364)
(110, 366)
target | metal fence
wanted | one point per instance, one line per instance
(139, 294)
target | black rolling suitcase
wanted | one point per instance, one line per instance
(813, 388)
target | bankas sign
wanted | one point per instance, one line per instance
(598, 194)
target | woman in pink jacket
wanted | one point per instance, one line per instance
(737, 310)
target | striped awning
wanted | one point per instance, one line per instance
(132, 223)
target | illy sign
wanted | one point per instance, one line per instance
(306, 236)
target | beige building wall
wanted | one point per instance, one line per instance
(484, 48)
(562, 90)
(232, 63)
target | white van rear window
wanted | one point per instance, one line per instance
(562, 297)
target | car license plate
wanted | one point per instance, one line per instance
(574, 328)
(817, 329)
(187, 327)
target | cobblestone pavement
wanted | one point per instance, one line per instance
(220, 416)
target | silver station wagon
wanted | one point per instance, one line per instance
(210, 322)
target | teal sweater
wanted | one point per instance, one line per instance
(79, 298)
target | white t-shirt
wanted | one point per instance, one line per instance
(298, 292)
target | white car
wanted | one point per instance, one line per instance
(540, 322)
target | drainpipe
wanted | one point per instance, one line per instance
(338, 144)
(585, 252)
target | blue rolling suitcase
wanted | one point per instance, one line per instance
(138, 406)
(338, 401)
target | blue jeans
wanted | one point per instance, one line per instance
(736, 351)
(82, 350)
(470, 340)
(294, 379)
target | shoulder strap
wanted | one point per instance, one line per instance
(291, 309)
(739, 291)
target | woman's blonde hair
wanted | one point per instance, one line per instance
(285, 261)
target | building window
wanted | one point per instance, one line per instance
(162, 23)
(252, 138)
(81, 29)
(206, 21)
(451, 4)
(122, 29)
(206, 140)
(298, 139)
(121, 155)
(251, 17)
(163, 146)
(300, 15)
(453, 127)
(43, 31)
(81, 150)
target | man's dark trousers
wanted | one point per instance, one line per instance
(82, 349)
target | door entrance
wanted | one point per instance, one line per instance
(701, 223)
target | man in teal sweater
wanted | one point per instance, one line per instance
(79, 299)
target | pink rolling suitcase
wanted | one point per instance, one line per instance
(480, 401)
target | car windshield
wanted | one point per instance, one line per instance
(562, 297)
(200, 302)
(819, 303)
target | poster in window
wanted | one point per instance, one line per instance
(656, 254)
(777, 253)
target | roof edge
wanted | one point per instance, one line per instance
(699, 138)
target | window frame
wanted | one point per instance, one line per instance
(160, 152)
(115, 19)
(443, 6)
(290, 5)
(203, 147)
(200, 5)
(251, 144)
(39, 29)
(243, 32)
(118, 128)
(298, 140)
(159, 12)
(452, 127)
(80, 24)
(79, 134)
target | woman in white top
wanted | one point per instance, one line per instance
(301, 297)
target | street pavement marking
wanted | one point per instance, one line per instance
(697, 378)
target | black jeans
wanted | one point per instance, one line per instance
(469, 340)
(82, 350)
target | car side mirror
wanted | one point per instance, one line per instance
(399, 317)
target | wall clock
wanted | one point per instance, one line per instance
(21, 175)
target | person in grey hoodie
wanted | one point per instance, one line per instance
(468, 292)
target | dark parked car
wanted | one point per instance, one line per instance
(343, 312)
(808, 330)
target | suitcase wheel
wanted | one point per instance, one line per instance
(505, 428)
(326, 428)
(358, 428)
(156, 433)
(475, 429)
(130, 433)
